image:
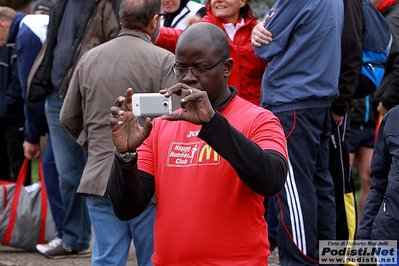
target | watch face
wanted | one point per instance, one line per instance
(127, 157)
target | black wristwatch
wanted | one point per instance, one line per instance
(127, 156)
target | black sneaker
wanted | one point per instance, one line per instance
(62, 252)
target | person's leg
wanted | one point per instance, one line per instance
(352, 158)
(364, 156)
(112, 236)
(272, 229)
(142, 229)
(70, 160)
(15, 136)
(324, 183)
(52, 186)
(272, 223)
(297, 203)
(5, 171)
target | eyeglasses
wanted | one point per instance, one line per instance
(197, 71)
(161, 15)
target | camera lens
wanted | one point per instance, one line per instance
(165, 104)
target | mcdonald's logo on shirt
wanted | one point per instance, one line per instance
(185, 154)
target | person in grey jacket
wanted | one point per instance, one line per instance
(104, 73)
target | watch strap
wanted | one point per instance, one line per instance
(127, 156)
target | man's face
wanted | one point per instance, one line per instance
(202, 55)
(41, 12)
(155, 33)
(170, 6)
(4, 28)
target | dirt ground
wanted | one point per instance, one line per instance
(10, 256)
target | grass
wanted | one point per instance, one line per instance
(356, 181)
(35, 174)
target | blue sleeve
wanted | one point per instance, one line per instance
(15, 103)
(284, 17)
(35, 123)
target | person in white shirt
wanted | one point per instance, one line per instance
(179, 14)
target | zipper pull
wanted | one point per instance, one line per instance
(333, 141)
(371, 66)
(384, 207)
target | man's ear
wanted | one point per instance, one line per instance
(2, 24)
(228, 66)
(154, 22)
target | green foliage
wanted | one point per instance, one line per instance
(34, 173)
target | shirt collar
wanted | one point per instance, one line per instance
(231, 29)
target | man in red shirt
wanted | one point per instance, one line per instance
(211, 163)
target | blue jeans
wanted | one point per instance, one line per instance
(70, 160)
(113, 236)
(271, 218)
(51, 182)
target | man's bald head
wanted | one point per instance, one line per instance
(204, 32)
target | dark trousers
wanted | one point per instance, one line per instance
(271, 217)
(306, 205)
(341, 173)
(11, 151)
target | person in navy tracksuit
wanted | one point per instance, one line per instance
(11, 103)
(299, 85)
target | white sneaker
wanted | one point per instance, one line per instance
(43, 248)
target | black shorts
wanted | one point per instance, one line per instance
(361, 138)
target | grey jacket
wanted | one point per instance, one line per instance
(103, 74)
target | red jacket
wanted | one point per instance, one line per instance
(247, 69)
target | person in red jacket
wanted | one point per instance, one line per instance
(236, 19)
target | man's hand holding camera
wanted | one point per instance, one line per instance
(125, 129)
(128, 134)
(195, 104)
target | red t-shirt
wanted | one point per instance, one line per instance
(205, 214)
